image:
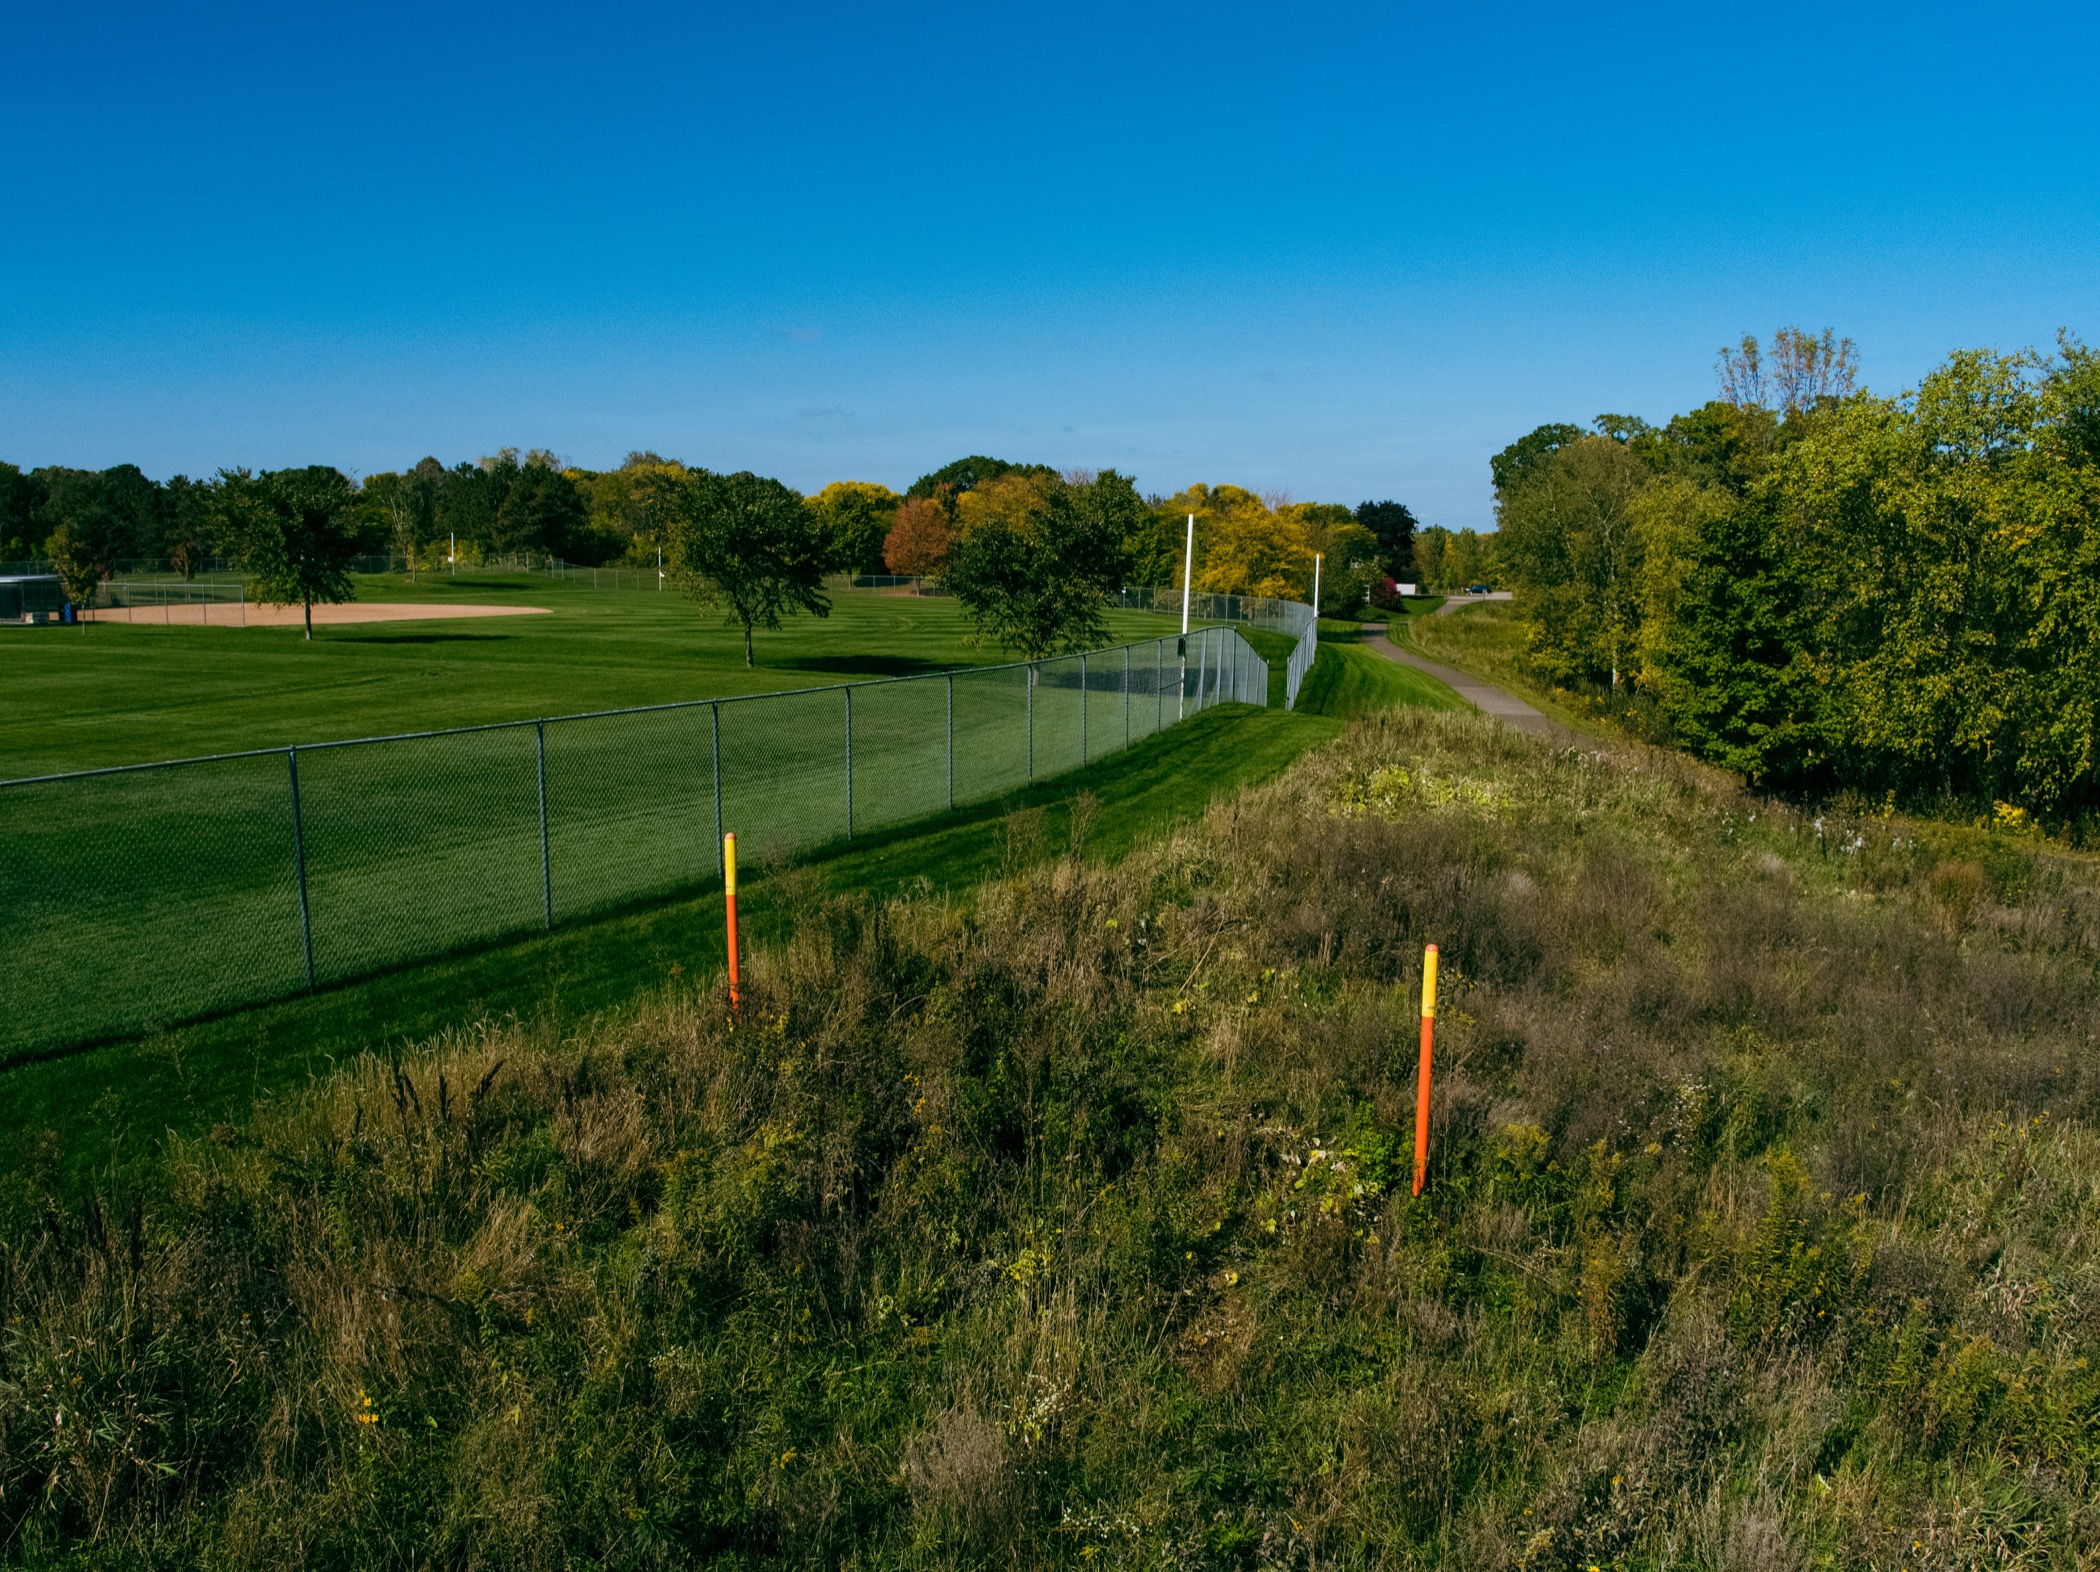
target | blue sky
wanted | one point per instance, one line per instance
(1340, 251)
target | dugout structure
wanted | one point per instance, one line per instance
(30, 598)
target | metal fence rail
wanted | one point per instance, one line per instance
(151, 894)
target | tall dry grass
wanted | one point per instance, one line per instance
(1073, 1226)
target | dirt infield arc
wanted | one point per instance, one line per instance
(233, 615)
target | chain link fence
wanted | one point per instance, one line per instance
(1293, 619)
(152, 894)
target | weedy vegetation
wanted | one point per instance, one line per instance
(1071, 1225)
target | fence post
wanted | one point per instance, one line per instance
(1031, 722)
(306, 920)
(539, 731)
(951, 739)
(1159, 683)
(848, 691)
(714, 712)
(1126, 695)
(1084, 695)
(1202, 664)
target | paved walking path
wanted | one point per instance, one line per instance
(1460, 602)
(1483, 696)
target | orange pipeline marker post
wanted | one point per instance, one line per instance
(1422, 1078)
(736, 996)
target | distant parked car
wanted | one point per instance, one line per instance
(1479, 589)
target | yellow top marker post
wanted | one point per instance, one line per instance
(1429, 983)
(729, 863)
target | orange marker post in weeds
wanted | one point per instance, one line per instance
(1422, 1078)
(736, 996)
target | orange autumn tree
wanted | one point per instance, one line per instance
(918, 541)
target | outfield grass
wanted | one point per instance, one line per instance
(116, 693)
(156, 896)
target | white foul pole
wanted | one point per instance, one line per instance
(1316, 586)
(1188, 575)
(1188, 580)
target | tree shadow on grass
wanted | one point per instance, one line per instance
(862, 665)
(418, 638)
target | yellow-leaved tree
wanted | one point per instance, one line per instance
(1010, 499)
(855, 517)
(1243, 546)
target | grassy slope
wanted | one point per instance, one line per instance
(1358, 680)
(81, 1114)
(113, 693)
(1076, 1225)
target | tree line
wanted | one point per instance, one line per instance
(1827, 589)
(1032, 552)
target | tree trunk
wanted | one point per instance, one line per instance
(309, 622)
(748, 661)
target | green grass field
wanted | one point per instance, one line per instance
(156, 896)
(116, 693)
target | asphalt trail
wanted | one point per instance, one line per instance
(1483, 696)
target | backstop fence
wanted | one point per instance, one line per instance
(148, 895)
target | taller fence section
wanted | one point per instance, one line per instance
(153, 894)
(1288, 617)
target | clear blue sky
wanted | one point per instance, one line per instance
(1343, 251)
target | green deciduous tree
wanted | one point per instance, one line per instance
(744, 542)
(854, 517)
(1908, 599)
(296, 534)
(967, 474)
(21, 499)
(1034, 573)
(1514, 462)
(1568, 540)
(1393, 524)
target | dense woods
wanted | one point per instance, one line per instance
(1827, 589)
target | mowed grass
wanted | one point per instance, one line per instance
(115, 693)
(159, 896)
(1352, 679)
(156, 896)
